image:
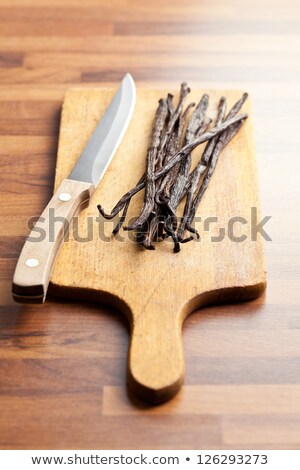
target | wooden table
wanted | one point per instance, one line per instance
(62, 377)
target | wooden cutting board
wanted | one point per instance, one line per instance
(156, 290)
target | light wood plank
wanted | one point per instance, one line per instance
(153, 45)
(266, 430)
(212, 400)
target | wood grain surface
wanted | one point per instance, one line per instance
(157, 290)
(62, 364)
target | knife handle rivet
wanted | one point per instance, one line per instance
(64, 197)
(32, 262)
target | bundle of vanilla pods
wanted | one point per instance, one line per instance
(168, 177)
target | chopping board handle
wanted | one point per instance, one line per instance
(35, 263)
(156, 362)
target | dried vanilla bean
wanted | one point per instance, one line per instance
(174, 117)
(236, 108)
(180, 155)
(158, 126)
(167, 179)
(155, 222)
(212, 151)
(197, 119)
(123, 201)
(198, 171)
(204, 126)
(194, 124)
(224, 139)
(163, 192)
(150, 181)
(187, 149)
(154, 148)
(149, 230)
(122, 219)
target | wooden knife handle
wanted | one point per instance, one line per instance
(33, 270)
(155, 370)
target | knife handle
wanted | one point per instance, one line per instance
(33, 270)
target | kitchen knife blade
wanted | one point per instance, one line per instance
(33, 270)
(107, 136)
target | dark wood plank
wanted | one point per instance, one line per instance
(13, 59)
(30, 117)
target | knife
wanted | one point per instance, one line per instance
(33, 270)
